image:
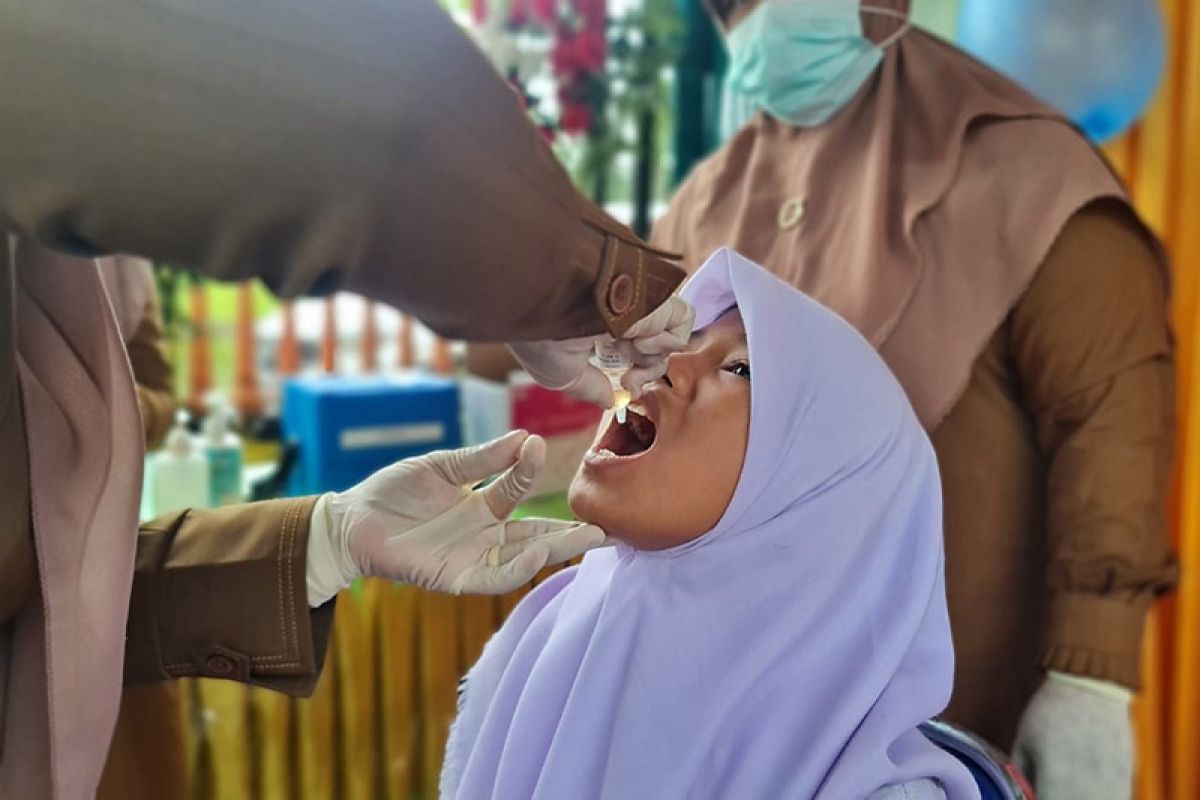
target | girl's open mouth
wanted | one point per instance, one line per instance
(623, 443)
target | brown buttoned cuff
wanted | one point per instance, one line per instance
(1096, 637)
(221, 594)
(634, 279)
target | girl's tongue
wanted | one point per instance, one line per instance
(632, 438)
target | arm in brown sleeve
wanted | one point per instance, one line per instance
(1093, 352)
(221, 593)
(361, 145)
(153, 375)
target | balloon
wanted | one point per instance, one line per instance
(1097, 61)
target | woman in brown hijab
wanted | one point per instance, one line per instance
(978, 240)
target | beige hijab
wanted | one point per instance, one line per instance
(920, 212)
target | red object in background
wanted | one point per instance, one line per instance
(590, 50)
(518, 13)
(544, 11)
(576, 118)
(549, 413)
(577, 57)
(580, 52)
(593, 12)
(1021, 781)
(479, 11)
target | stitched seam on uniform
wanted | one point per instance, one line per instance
(287, 539)
(293, 645)
(290, 520)
(641, 280)
(279, 570)
(170, 534)
(635, 306)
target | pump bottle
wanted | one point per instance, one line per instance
(179, 477)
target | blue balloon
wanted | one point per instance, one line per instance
(1097, 61)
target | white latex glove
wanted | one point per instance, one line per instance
(1075, 740)
(418, 521)
(564, 365)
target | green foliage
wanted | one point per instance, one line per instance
(644, 45)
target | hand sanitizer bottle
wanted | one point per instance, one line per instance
(223, 448)
(179, 472)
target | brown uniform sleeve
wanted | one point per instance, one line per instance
(221, 594)
(153, 375)
(1093, 352)
(360, 145)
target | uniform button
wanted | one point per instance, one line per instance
(620, 294)
(790, 213)
(218, 665)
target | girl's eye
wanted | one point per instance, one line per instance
(739, 368)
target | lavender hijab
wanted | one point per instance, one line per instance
(790, 652)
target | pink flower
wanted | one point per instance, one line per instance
(593, 12)
(562, 58)
(518, 13)
(544, 10)
(576, 118)
(590, 49)
(581, 52)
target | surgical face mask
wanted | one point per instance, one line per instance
(801, 61)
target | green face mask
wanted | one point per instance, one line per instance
(801, 61)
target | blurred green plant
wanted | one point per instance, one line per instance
(634, 95)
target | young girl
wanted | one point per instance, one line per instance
(772, 623)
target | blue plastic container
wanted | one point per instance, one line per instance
(348, 427)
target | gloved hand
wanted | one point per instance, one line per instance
(564, 365)
(1075, 740)
(419, 521)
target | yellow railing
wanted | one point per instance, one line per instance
(376, 725)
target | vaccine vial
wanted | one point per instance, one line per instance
(608, 359)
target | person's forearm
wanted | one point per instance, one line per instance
(221, 593)
(366, 146)
(1108, 551)
(1092, 351)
